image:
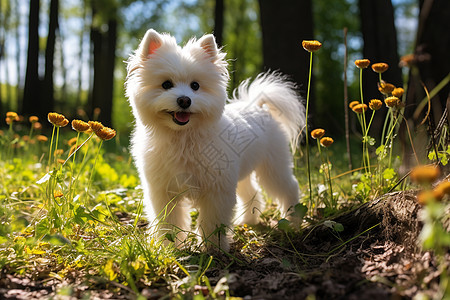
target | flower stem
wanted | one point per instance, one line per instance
(308, 170)
(93, 168)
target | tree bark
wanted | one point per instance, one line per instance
(380, 45)
(218, 21)
(30, 103)
(284, 25)
(104, 48)
(431, 63)
(48, 98)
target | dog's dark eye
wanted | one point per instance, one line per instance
(195, 86)
(167, 85)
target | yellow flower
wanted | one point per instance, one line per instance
(442, 189)
(59, 152)
(407, 60)
(425, 174)
(11, 117)
(385, 88)
(398, 92)
(80, 126)
(380, 67)
(95, 126)
(42, 138)
(326, 141)
(33, 119)
(57, 120)
(73, 148)
(311, 46)
(57, 194)
(359, 108)
(37, 125)
(106, 133)
(375, 104)
(317, 133)
(72, 141)
(362, 63)
(353, 103)
(425, 197)
(392, 101)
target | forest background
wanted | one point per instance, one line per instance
(68, 55)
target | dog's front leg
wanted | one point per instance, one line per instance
(172, 217)
(216, 210)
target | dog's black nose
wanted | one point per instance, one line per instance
(184, 102)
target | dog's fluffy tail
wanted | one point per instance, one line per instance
(279, 95)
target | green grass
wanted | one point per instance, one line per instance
(59, 219)
(81, 217)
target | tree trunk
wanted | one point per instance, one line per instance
(78, 100)
(48, 98)
(380, 45)
(284, 25)
(18, 61)
(218, 21)
(431, 57)
(30, 103)
(104, 48)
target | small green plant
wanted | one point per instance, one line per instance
(433, 235)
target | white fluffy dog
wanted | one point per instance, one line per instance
(189, 144)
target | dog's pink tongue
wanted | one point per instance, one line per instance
(182, 116)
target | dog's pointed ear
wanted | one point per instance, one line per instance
(208, 43)
(150, 43)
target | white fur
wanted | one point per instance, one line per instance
(222, 151)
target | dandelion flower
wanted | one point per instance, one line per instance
(95, 126)
(407, 60)
(42, 138)
(442, 189)
(326, 141)
(425, 174)
(385, 88)
(106, 133)
(425, 197)
(311, 46)
(398, 92)
(375, 104)
(37, 125)
(392, 101)
(33, 119)
(380, 67)
(72, 141)
(80, 126)
(317, 133)
(353, 103)
(362, 63)
(11, 117)
(57, 120)
(59, 152)
(57, 194)
(359, 108)
(73, 148)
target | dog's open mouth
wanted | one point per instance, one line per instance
(180, 117)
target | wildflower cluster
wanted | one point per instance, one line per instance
(325, 168)
(390, 96)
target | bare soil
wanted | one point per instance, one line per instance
(379, 259)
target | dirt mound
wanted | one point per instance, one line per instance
(376, 257)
